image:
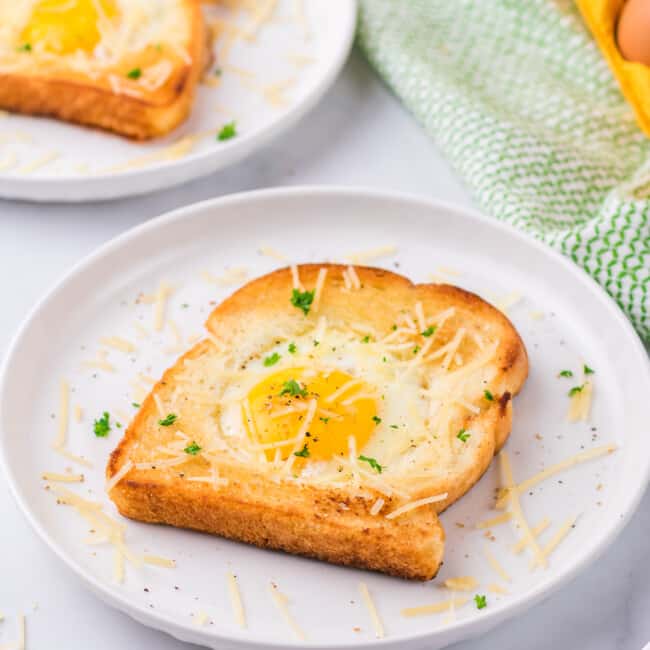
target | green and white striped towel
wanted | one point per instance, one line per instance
(519, 98)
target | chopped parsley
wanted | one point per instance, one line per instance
(293, 388)
(118, 425)
(463, 435)
(324, 420)
(575, 390)
(218, 72)
(192, 449)
(488, 395)
(587, 370)
(394, 327)
(316, 343)
(384, 359)
(102, 426)
(372, 462)
(481, 601)
(429, 331)
(565, 373)
(302, 300)
(366, 339)
(227, 131)
(393, 426)
(135, 405)
(303, 453)
(135, 73)
(168, 420)
(271, 360)
(376, 419)
(26, 47)
(416, 349)
(292, 348)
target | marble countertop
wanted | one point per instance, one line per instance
(358, 135)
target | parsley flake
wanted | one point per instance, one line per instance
(26, 47)
(416, 349)
(372, 462)
(302, 300)
(575, 390)
(463, 435)
(429, 331)
(366, 339)
(168, 420)
(227, 132)
(324, 420)
(587, 370)
(293, 388)
(135, 73)
(376, 419)
(271, 360)
(565, 373)
(488, 395)
(135, 405)
(102, 426)
(303, 453)
(481, 601)
(192, 449)
(393, 426)
(292, 348)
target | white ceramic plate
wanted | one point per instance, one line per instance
(266, 85)
(99, 298)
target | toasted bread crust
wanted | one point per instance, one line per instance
(85, 101)
(321, 522)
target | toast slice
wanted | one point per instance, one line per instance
(260, 432)
(127, 67)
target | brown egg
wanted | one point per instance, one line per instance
(633, 31)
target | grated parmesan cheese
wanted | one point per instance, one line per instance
(64, 406)
(554, 542)
(464, 583)
(361, 257)
(62, 478)
(536, 531)
(496, 565)
(156, 560)
(372, 610)
(282, 603)
(236, 601)
(412, 505)
(434, 608)
(118, 343)
(118, 476)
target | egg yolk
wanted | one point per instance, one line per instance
(64, 26)
(279, 405)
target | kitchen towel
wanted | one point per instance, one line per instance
(520, 100)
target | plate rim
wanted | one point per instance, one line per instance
(461, 629)
(50, 188)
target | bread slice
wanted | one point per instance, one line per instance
(127, 67)
(444, 366)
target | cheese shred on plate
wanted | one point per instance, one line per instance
(282, 603)
(463, 583)
(434, 608)
(554, 542)
(236, 601)
(412, 505)
(372, 610)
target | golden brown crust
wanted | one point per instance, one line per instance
(321, 522)
(81, 100)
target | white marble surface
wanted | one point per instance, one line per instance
(359, 135)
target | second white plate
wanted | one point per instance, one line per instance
(563, 317)
(265, 85)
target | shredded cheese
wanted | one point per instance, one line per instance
(118, 476)
(118, 343)
(354, 278)
(372, 610)
(62, 478)
(434, 608)
(496, 588)
(377, 506)
(360, 257)
(295, 277)
(70, 456)
(39, 163)
(412, 505)
(64, 406)
(556, 469)
(494, 521)
(463, 583)
(201, 618)
(536, 531)
(273, 253)
(580, 403)
(554, 542)
(78, 413)
(156, 560)
(318, 290)
(496, 565)
(118, 566)
(236, 601)
(282, 603)
(517, 512)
